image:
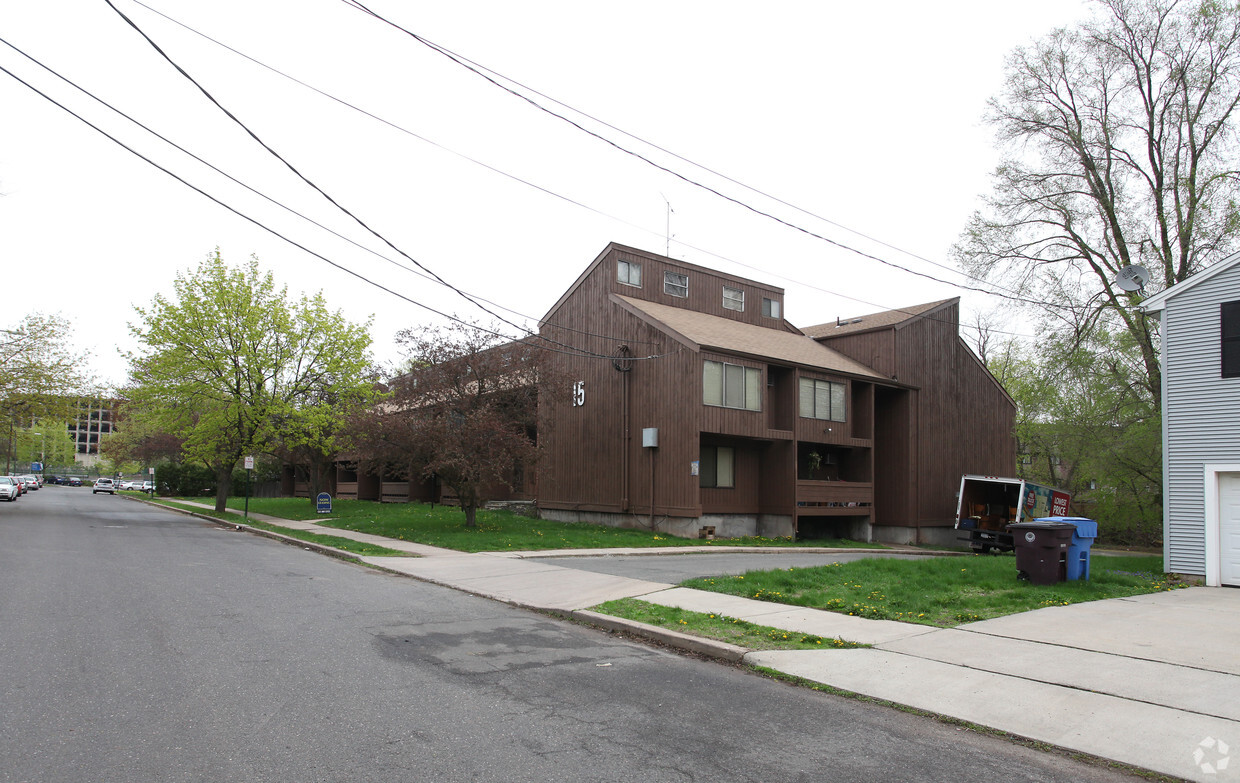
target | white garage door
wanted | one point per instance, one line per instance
(1229, 527)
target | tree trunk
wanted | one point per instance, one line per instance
(471, 513)
(223, 486)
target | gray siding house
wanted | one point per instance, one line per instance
(1200, 327)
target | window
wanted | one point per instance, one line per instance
(733, 298)
(717, 467)
(770, 307)
(1229, 322)
(675, 285)
(629, 273)
(822, 400)
(731, 386)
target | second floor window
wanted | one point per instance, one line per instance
(733, 298)
(675, 284)
(770, 307)
(823, 400)
(731, 386)
(629, 273)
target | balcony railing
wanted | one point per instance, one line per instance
(394, 491)
(835, 494)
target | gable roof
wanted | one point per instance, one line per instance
(701, 330)
(680, 264)
(1158, 301)
(885, 319)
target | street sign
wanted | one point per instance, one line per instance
(324, 503)
(249, 463)
(35, 467)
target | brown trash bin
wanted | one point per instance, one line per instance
(1042, 550)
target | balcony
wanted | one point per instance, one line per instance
(834, 497)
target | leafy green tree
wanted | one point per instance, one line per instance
(232, 366)
(1085, 423)
(40, 378)
(1121, 148)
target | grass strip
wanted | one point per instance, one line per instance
(497, 531)
(942, 592)
(720, 627)
(359, 548)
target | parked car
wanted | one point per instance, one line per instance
(9, 488)
(148, 487)
(74, 481)
(32, 481)
(103, 485)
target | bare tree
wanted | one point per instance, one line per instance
(1121, 141)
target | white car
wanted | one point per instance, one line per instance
(31, 482)
(9, 488)
(103, 485)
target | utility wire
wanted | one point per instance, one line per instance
(331, 200)
(294, 243)
(466, 64)
(570, 200)
(273, 201)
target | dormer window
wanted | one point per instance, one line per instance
(675, 284)
(733, 298)
(629, 273)
(770, 307)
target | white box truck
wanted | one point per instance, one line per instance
(986, 505)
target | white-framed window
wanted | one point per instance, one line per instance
(733, 298)
(675, 284)
(770, 307)
(731, 386)
(823, 400)
(629, 273)
(717, 467)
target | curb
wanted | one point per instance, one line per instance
(695, 644)
(242, 527)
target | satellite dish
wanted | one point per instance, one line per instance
(1133, 278)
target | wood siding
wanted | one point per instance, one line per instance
(957, 420)
(1201, 414)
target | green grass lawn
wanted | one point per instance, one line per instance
(444, 526)
(720, 627)
(942, 591)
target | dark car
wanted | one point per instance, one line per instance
(73, 481)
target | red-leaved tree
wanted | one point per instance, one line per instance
(464, 411)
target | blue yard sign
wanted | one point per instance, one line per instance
(324, 503)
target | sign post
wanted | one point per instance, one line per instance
(249, 473)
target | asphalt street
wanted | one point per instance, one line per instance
(137, 644)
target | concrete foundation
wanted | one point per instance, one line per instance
(932, 536)
(725, 525)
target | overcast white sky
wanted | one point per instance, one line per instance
(866, 114)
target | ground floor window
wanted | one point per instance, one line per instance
(718, 467)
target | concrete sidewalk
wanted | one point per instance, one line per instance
(1151, 681)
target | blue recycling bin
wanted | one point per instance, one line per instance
(1077, 566)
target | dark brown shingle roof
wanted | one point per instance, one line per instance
(724, 334)
(886, 318)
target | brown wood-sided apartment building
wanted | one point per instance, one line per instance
(693, 405)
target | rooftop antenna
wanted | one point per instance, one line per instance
(667, 247)
(1133, 278)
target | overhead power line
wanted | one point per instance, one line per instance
(468, 65)
(567, 199)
